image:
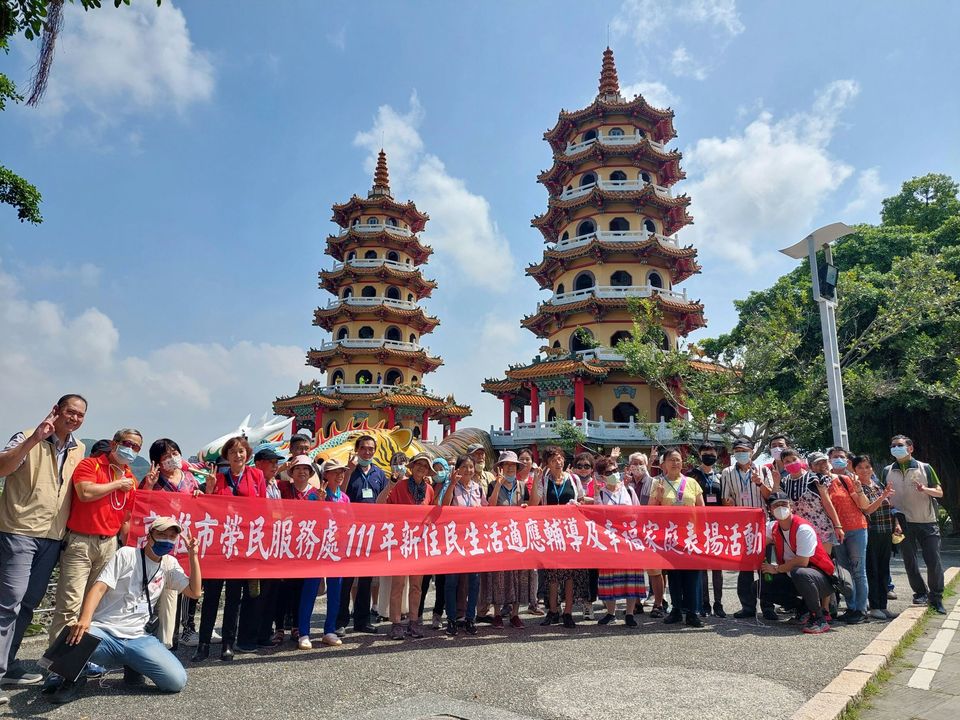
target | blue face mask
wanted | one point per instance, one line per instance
(364, 462)
(899, 451)
(742, 457)
(162, 547)
(839, 463)
(509, 480)
(442, 475)
(125, 454)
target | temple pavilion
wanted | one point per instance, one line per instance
(610, 231)
(374, 360)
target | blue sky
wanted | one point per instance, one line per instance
(188, 159)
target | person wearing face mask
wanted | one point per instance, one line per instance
(814, 504)
(614, 585)
(169, 473)
(507, 589)
(103, 492)
(745, 485)
(365, 482)
(802, 570)
(528, 475)
(778, 443)
(708, 479)
(882, 527)
(916, 485)
(123, 599)
(484, 478)
(462, 491)
(853, 508)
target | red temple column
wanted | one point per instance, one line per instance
(453, 423)
(578, 398)
(534, 404)
(318, 419)
(391, 417)
(506, 411)
(423, 427)
(293, 425)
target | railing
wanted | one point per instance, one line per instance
(614, 236)
(377, 227)
(612, 140)
(372, 343)
(374, 262)
(600, 353)
(614, 291)
(375, 300)
(616, 185)
(595, 430)
(354, 388)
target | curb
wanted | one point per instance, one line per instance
(847, 687)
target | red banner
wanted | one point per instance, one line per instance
(255, 538)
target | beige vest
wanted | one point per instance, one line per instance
(917, 507)
(34, 503)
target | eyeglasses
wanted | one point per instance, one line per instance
(899, 445)
(130, 444)
(583, 467)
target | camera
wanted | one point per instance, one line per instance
(152, 625)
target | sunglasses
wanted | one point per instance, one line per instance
(130, 444)
(583, 467)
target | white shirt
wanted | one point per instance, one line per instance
(123, 610)
(806, 540)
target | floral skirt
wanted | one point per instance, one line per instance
(581, 581)
(811, 509)
(505, 587)
(621, 585)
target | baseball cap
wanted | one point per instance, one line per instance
(776, 497)
(267, 453)
(164, 523)
(816, 457)
(473, 447)
(742, 442)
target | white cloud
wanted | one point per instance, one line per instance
(86, 275)
(655, 93)
(127, 59)
(865, 204)
(338, 38)
(467, 242)
(683, 64)
(193, 392)
(721, 15)
(758, 190)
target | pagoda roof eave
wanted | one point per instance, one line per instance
(638, 107)
(690, 314)
(675, 219)
(409, 244)
(415, 281)
(555, 368)
(554, 261)
(408, 210)
(564, 163)
(311, 399)
(412, 358)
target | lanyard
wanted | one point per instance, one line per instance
(744, 484)
(563, 487)
(678, 490)
(146, 583)
(510, 491)
(612, 497)
(234, 486)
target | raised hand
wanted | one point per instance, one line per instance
(45, 429)
(150, 479)
(125, 484)
(755, 476)
(615, 453)
(351, 463)
(191, 542)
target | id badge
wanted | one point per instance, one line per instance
(142, 608)
(367, 493)
(711, 499)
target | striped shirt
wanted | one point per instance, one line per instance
(738, 487)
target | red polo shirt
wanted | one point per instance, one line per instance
(106, 515)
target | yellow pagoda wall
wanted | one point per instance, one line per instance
(602, 331)
(603, 400)
(351, 368)
(380, 287)
(602, 273)
(603, 219)
(379, 328)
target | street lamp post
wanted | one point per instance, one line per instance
(828, 321)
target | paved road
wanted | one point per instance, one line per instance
(728, 669)
(927, 679)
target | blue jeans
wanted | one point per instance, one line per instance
(308, 596)
(852, 555)
(450, 595)
(26, 564)
(146, 655)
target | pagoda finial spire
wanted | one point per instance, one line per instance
(381, 178)
(609, 83)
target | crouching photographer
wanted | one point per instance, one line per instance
(120, 609)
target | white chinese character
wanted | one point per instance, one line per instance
(230, 536)
(410, 540)
(473, 538)
(650, 532)
(593, 539)
(329, 549)
(430, 545)
(612, 536)
(631, 535)
(389, 541)
(450, 541)
(513, 537)
(574, 538)
(735, 548)
(753, 539)
(205, 535)
(281, 538)
(255, 539)
(671, 538)
(496, 544)
(307, 539)
(713, 540)
(553, 534)
(690, 543)
(534, 538)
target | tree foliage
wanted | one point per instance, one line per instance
(898, 327)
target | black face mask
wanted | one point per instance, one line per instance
(708, 460)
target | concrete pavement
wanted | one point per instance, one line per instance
(728, 669)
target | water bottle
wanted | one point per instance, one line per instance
(771, 557)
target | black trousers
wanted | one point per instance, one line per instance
(287, 607)
(684, 590)
(439, 593)
(747, 591)
(879, 547)
(212, 590)
(717, 577)
(251, 612)
(361, 606)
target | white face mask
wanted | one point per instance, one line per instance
(400, 469)
(776, 452)
(172, 463)
(613, 479)
(781, 513)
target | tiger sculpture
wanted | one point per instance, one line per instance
(338, 444)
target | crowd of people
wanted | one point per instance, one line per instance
(825, 511)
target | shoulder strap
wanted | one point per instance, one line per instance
(146, 589)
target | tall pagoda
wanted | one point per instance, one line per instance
(374, 362)
(610, 233)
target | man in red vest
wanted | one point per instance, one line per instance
(800, 567)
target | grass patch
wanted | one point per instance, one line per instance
(872, 688)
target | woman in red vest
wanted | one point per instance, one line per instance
(802, 567)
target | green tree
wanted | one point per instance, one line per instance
(924, 203)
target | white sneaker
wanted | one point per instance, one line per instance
(304, 643)
(331, 639)
(189, 638)
(215, 638)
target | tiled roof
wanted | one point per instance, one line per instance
(638, 107)
(337, 244)
(412, 278)
(291, 401)
(416, 319)
(411, 358)
(342, 212)
(564, 164)
(553, 368)
(691, 312)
